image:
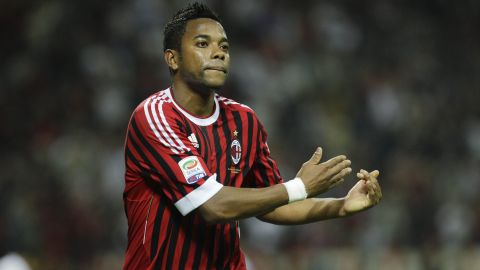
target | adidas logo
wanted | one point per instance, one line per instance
(193, 140)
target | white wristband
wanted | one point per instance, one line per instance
(296, 190)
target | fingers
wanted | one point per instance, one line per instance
(334, 161)
(371, 176)
(343, 173)
(363, 174)
(373, 187)
(317, 156)
(345, 164)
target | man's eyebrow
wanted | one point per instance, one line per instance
(201, 36)
(223, 39)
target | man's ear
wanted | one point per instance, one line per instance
(171, 58)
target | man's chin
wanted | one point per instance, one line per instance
(205, 87)
(214, 84)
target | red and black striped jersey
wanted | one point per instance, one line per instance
(174, 163)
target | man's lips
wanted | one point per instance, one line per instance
(222, 69)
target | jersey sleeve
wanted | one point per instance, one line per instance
(158, 146)
(264, 171)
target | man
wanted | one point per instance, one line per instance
(196, 163)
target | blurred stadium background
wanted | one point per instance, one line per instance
(395, 85)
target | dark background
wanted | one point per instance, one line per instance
(392, 84)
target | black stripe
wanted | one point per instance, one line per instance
(203, 148)
(208, 152)
(156, 230)
(259, 163)
(233, 239)
(187, 126)
(218, 155)
(269, 160)
(248, 149)
(186, 244)
(181, 126)
(221, 247)
(158, 262)
(199, 244)
(173, 239)
(228, 159)
(158, 158)
(272, 168)
(210, 258)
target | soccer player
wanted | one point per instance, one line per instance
(197, 162)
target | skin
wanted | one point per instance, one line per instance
(200, 68)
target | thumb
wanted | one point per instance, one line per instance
(317, 156)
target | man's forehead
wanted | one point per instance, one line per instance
(204, 26)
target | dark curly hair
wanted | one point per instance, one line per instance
(175, 28)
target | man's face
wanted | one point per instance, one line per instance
(204, 53)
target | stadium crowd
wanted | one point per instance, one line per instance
(394, 85)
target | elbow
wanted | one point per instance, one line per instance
(215, 215)
(213, 219)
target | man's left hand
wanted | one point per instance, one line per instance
(365, 194)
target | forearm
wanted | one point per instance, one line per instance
(306, 211)
(232, 203)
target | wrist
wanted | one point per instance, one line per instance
(296, 190)
(342, 212)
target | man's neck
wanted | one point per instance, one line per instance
(197, 102)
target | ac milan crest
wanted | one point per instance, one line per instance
(235, 149)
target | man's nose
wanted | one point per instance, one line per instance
(218, 53)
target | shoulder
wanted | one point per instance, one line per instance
(156, 107)
(232, 105)
(156, 119)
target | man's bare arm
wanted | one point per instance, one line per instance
(236, 203)
(365, 194)
(306, 211)
(232, 203)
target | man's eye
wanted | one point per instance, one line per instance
(225, 47)
(202, 44)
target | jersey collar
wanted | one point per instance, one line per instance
(199, 121)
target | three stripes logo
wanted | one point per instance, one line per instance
(193, 140)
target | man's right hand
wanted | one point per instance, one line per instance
(320, 177)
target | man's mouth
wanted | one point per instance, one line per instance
(222, 69)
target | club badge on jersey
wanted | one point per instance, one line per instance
(192, 169)
(235, 149)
